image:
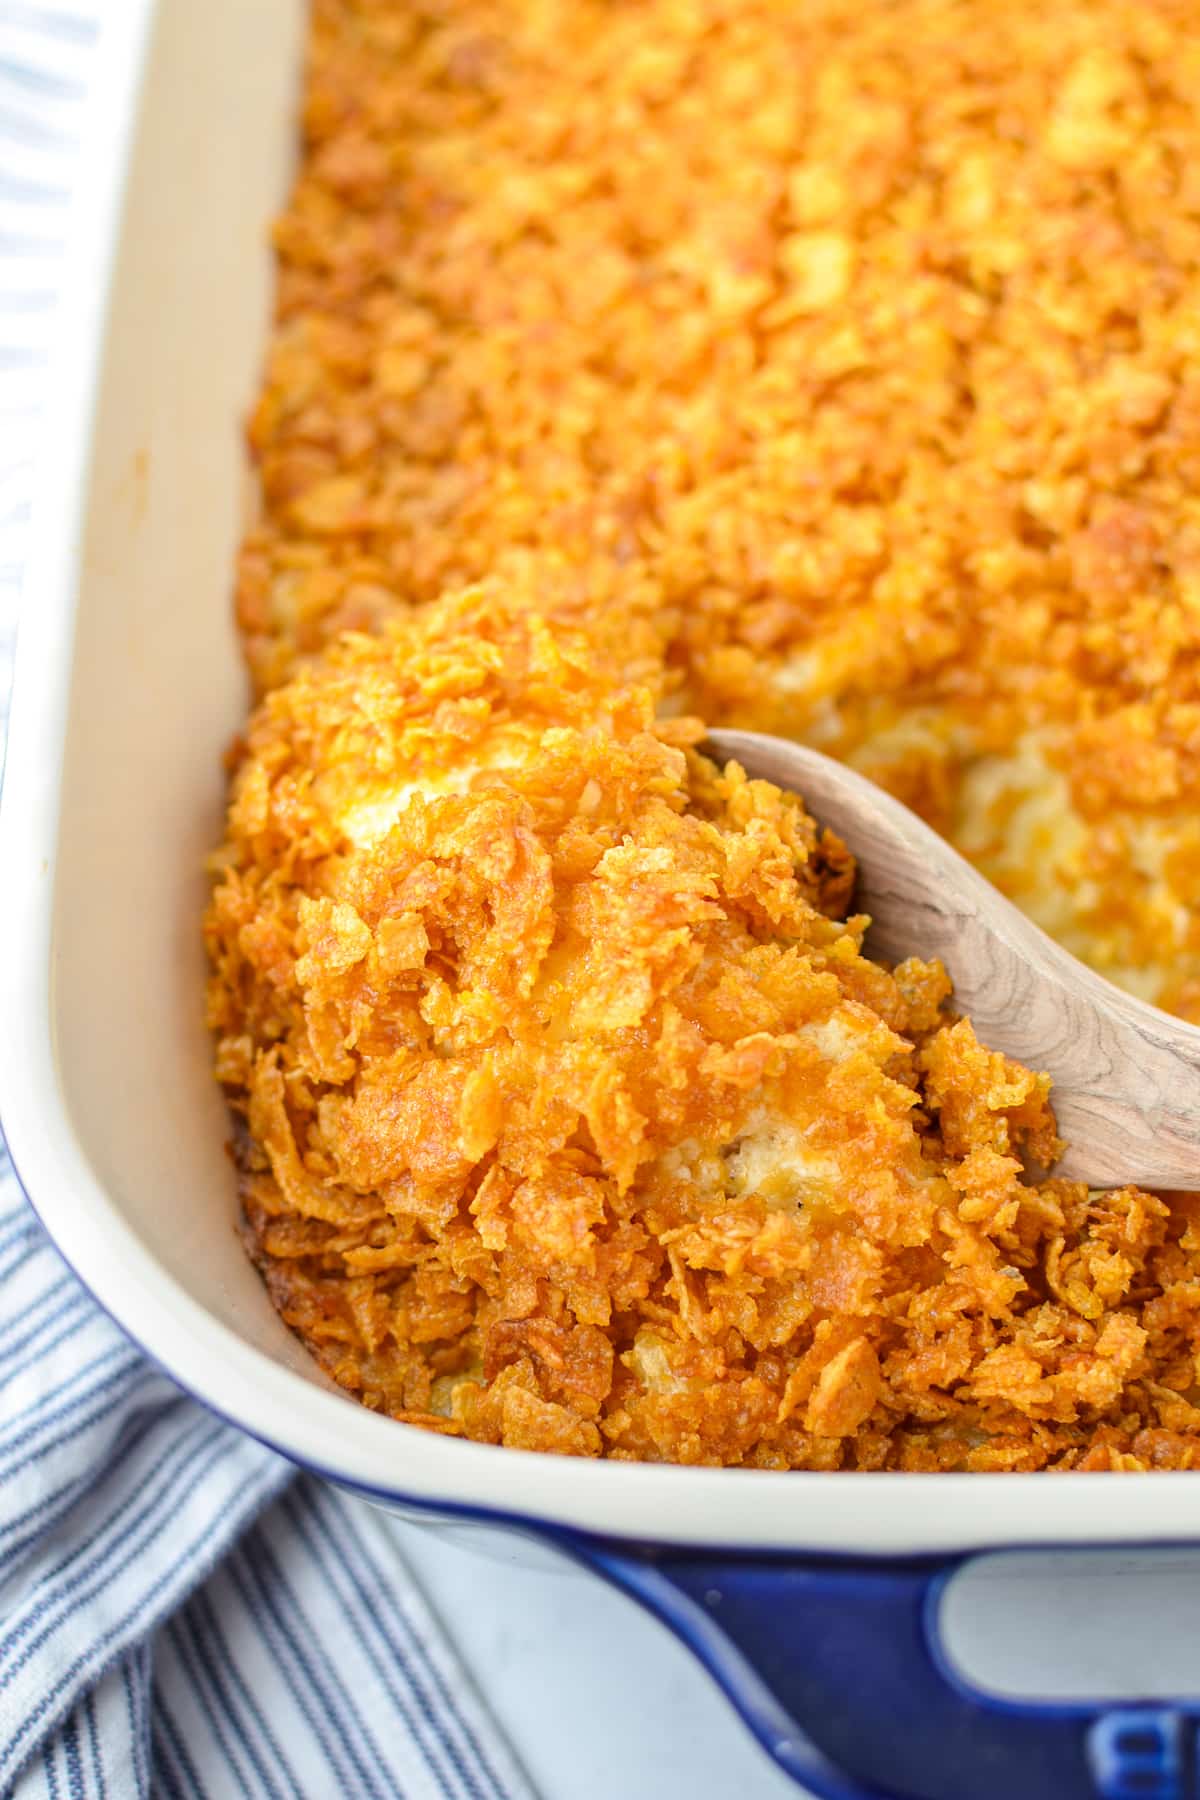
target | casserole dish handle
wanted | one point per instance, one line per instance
(838, 1670)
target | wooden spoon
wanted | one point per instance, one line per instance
(1126, 1075)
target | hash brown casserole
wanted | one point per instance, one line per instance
(827, 370)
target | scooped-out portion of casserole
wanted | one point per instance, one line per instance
(575, 1119)
(827, 369)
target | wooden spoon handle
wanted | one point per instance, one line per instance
(1126, 1075)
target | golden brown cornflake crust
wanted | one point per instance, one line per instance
(577, 1121)
(847, 348)
(826, 368)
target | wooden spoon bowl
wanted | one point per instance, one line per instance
(1126, 1075)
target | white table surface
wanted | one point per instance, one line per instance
(598, 1699)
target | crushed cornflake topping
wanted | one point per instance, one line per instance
(828, 369)
(575, 1118)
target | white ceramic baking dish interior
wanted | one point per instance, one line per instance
(128, 688)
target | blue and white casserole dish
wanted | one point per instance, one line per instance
(818, 1601)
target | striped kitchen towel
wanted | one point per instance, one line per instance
(180, 1614)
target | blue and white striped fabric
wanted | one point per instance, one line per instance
(180, 1615)
(160, 1632)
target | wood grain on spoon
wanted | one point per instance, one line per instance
(1126, 1075)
